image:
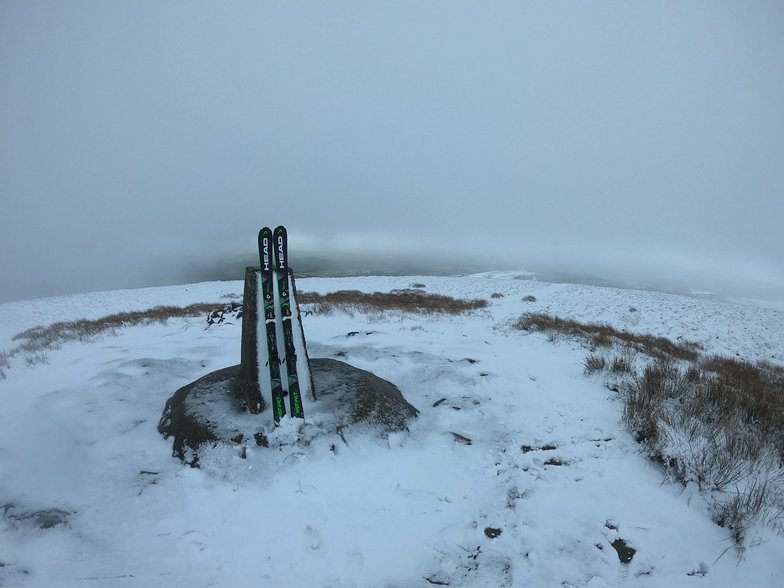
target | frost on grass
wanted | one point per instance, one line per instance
(715, 422)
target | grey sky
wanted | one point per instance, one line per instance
(621, 136)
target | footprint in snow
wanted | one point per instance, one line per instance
(313, 538)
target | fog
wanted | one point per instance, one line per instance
(146, 142)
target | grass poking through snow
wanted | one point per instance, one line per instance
(713, 421)
(36, 341)
(407, 300)
(602, 335)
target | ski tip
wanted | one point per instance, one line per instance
(265, 232)
(280, 230)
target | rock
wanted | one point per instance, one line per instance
(461, 438)
(43, 519)
(624, 550)
(492, 532)
(219, 316)
(213, 408)
(357, 396)
(204, 411)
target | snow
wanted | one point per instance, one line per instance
(78, 433)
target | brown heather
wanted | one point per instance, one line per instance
(51, 336)
(602, 335)
(414, 301)
(714, 421)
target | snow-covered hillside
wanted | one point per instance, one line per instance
(517, 471)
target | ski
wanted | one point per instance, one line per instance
(284, 293)
(268, 300)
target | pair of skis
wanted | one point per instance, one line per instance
(273, 252)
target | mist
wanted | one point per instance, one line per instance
(145, 143)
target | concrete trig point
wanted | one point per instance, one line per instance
(259, 376)
(214, 408)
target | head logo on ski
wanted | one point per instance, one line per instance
(275, 272)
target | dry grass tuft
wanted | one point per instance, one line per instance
(622, 363)
(752, 393)
(4, 363)
(407, 300)
(594, 363)
(716, 422)
(602, 335)
(38, 339)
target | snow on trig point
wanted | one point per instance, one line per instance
(274, 355)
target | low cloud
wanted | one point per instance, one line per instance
(147, 145)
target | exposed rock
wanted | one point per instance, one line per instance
(204, 411)
(213, 407)
(461, 438)
(492, 532)
(43, 519)
(222, 315)
(625, 551)
(358, 396)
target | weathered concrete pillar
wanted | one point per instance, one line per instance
(249, 355)
(253, 389)
(303, 359)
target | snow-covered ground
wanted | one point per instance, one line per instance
(78, 434)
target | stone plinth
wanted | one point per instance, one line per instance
(212, 409)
